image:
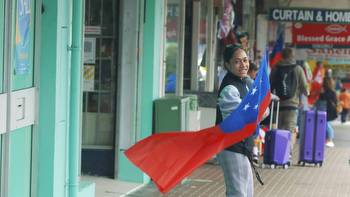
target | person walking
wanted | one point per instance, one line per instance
(329, 95)
(288, 82)
(344, 99)
(234, 160)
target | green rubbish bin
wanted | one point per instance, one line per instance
(193, 101)
(171, 114)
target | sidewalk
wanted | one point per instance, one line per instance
(332, 179)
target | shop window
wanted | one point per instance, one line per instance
(171, 46)
(100, 71)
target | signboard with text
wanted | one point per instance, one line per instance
(320, 34)
(332, 55)
(310, 15)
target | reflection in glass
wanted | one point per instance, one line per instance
(105, 105)
(92, 102)
(92, 16)
(171, 46)
(202, 67)
(106, 78)
(84, 102)
(97, 76)
(107, 19)
(106, 48)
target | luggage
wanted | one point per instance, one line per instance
(313, 137)
(277, 144)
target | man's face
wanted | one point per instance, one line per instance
(244, 42)
(239, 63)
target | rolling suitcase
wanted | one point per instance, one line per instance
(277, 144)
(313, 137)
(307, 136)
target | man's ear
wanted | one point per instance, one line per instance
(226, 64)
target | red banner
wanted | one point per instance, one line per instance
(313, 33)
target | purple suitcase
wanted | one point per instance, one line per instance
(320, 137)
(313, 135)
(307, 129)
(277, 148)
(277, 144)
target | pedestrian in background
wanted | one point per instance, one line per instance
(329, 95)
(288, 82)
(344, 99)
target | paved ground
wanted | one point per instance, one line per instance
(330, 180)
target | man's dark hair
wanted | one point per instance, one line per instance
(240, 35)
(252, 66)
(287, 53)
(230, 50)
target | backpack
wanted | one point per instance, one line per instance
(285, 82)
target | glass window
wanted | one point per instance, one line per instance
(202, 45)
(107, 18)
(106, 78)
(99, 100)
(105, 104)
(171, 46)
(92, 102)
(106, 48)
(93, 12)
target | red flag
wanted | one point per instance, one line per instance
(316, 84)
(170, 157)
(276, 54)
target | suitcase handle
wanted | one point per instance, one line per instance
(271, 114)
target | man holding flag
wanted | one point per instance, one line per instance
(170, 157)
(236, 159)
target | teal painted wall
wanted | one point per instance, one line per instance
(20, 162)
(151, 62)
(54, 88)
(1, 45)
(149, 83)
(20, 140)
(47, 110)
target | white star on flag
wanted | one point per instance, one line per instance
(256, 106)
(254, 90)
(246, 107)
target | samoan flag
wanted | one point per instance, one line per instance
(276, 54)
(170, 157)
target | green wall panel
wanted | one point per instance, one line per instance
(150, 65)
(47, 110)
(20, 162)
(54, 87)
(20, 140)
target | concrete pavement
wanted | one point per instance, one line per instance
(330, 180)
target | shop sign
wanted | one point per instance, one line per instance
(320, 34)
(92, 30)
(310, 15)
(333, 56)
